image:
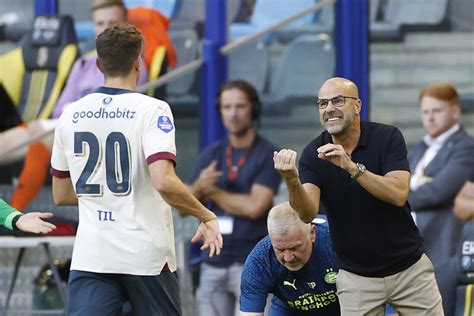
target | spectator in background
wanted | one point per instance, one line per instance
(84, 78)
(459, 270)
(359, 171)
(31, 222)
(441, 163)
(295, 263)
(464, 202)
(120, 170)
(237, 179)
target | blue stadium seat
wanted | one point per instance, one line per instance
(190, 13)
(414, 14)
(305, 64)
(181, 92)
(187, 49)
(251, 63)
(267, 12)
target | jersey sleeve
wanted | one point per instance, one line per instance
(7, 214)
(59, 164)
(159, 135)
(255, 282)
(396, 153)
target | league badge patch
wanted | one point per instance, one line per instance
(165, 124)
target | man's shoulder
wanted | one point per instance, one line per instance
(463, 136)
(261, 250)
(379, 127)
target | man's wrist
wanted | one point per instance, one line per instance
(12, 218)
(209, 217)
(294, 181)
(15, 220)
(360, 171)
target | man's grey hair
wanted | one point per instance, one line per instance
(282, 218)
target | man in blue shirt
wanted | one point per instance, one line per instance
(296, 264)
(236, 177)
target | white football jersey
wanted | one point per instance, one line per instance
(104, 143)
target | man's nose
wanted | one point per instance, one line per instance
(288, 256)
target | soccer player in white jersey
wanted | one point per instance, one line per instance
(114, 155)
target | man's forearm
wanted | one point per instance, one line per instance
(299, 200)
(176, 194)
(464, 207)
(392, 188)
(247, 205)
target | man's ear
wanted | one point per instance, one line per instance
(98, 64)
(358, 106)
(313, 232)
(138, 64)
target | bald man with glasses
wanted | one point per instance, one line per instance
(359, 171)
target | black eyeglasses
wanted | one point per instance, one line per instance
(338, 101)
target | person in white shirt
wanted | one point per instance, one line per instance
(114, 155)
(440, 164)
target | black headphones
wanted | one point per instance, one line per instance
(249, 90)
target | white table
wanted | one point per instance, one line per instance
(32, 242)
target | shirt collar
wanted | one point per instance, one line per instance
(429, 141)
(112, 91)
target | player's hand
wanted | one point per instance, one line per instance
(34, 223)
(209, 232)
(336, 155)
(285, 163)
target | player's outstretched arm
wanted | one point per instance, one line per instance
(34, 223)
(304, 199)
(175, 193)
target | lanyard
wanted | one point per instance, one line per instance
(233, 170)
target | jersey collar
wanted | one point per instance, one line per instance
(112, 91)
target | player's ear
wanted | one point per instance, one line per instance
(138, 64)
(98, 64)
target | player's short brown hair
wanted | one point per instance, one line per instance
(118, 47)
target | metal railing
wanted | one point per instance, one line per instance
(196, 64)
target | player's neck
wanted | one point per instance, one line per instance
(128, 83)
(243, 140)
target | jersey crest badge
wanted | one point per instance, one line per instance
(106, 100)
(330, 276)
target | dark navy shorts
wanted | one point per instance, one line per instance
(104, 294)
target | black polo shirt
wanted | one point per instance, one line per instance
(372, 238)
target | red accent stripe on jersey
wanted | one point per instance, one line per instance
(160, 156)
(59, 174)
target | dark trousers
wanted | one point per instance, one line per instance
(102, 294)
